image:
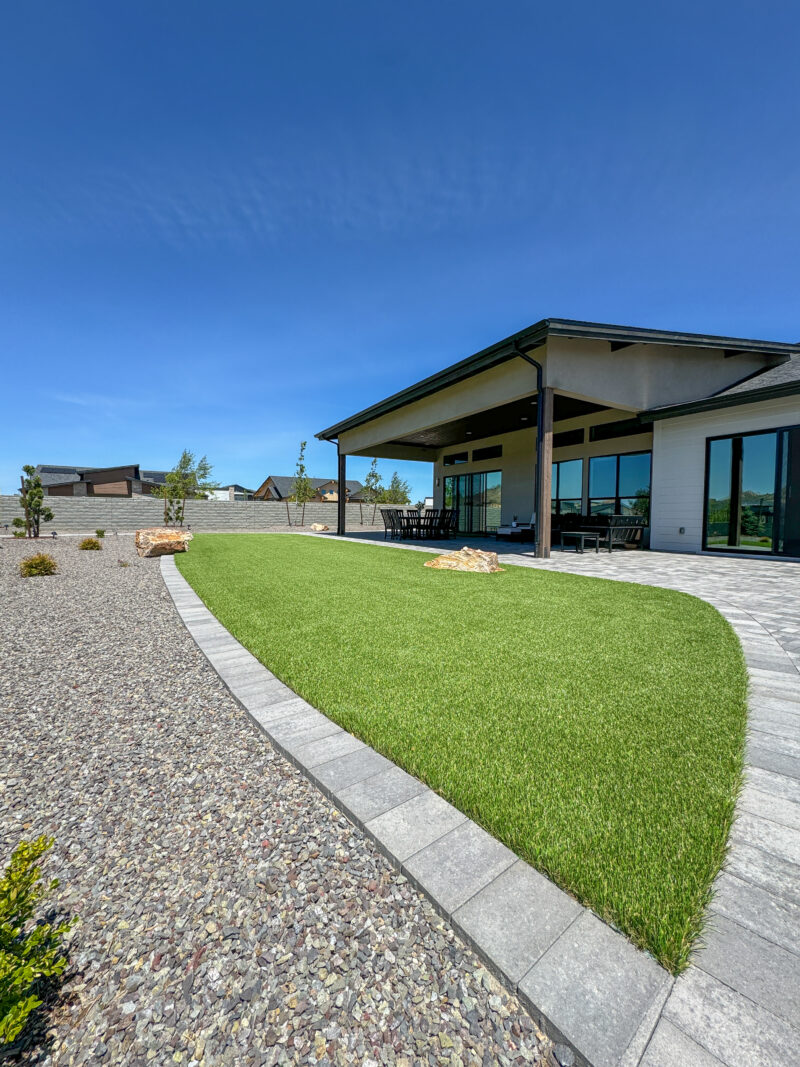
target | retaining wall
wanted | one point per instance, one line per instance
(86, 514)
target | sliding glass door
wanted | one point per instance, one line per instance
(753, 493)
(477, 498)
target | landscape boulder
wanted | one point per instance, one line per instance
(162, 541)
(319, 527)
(466, 559)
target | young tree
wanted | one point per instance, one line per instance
(189, 479)
(397, 492)
(31, 499)
(372, 489)
(302, 487)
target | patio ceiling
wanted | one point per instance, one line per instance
(518, 415)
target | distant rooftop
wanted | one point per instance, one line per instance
(59, 474)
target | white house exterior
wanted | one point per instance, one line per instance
(698, 435)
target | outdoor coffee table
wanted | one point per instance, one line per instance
(581, 537)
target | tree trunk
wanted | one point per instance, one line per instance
(24, 499)
(288, 516)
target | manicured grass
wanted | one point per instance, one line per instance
(595, 727)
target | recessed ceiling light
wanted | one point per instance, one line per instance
(524, 418)
(469, 433)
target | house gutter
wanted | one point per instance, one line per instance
(537, 485)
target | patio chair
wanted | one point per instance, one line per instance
(409, 524)
(619, 531)
(428, 523)
(390, 524)
(521, 529)
(442, 524)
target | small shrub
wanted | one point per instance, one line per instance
(29, 954)
(100, 533)
(90, 544)
(40, 564)
(20, 533)
(123, 563)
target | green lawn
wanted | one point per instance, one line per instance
(595, 727)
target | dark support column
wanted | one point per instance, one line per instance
(342, 490)
(544, 481)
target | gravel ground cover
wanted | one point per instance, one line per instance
(228, 913)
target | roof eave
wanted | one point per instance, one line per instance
(457, 372)
(712, 403)
(538, 334)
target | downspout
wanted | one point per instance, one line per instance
(341, 495)
(539, 439)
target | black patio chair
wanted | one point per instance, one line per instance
(391, 524)
(427, 523)
(409, 524)
(442, 524)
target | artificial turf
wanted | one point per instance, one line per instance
(595, 727)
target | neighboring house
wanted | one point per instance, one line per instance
(126, 480)
(698, 434)
(231, 492)
(279, 487)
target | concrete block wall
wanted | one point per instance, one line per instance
(86, 514)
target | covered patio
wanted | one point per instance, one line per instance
(548, 424)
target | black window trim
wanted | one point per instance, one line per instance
(617, 497)
(556, 500)
(495, 450)
(734, 550)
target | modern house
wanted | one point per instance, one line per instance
(280, 487)
(125, 480)
(698, 434)
(231, 492)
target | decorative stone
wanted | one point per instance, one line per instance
(466, 559)
(318, 527)
(162, 541)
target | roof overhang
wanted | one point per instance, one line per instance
(618, 337)
(712, 403)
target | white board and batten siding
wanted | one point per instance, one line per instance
(679, 459)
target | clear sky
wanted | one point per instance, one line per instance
(224, 226)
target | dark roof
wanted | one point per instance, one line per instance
(536, 335)
(52, 474)
(283, 483)
(156, 477)
(783, 380)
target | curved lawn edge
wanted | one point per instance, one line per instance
(572, 787)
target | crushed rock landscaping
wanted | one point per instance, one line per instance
(229, 914)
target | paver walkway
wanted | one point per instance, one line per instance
(739, 1001)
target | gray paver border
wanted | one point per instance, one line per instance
(610, 998)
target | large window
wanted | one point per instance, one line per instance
(477, 498)
(620, 485)
(567, 487)
(753, 492)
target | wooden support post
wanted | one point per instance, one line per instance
(544, 503)
(341, 521)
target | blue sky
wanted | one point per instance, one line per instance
(226, 226)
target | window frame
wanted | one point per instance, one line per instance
(734, 550)
(555, 499)
(617, 498)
